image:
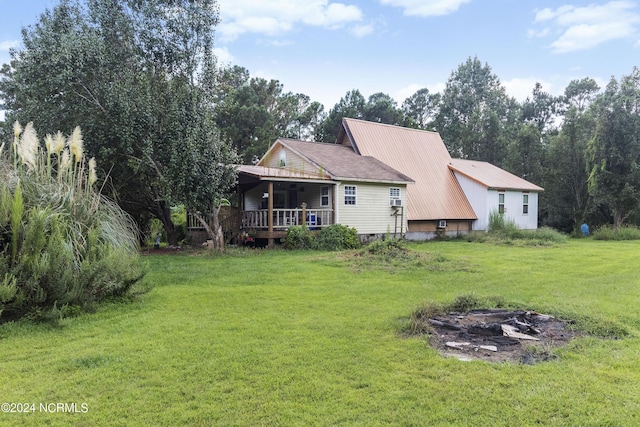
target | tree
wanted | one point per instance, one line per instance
(381, 108)
(254, 112)
(421, 108)
(525, 153)
(567, 200)
(351, 105)
(476, 117)
(138, 76)
(614, 180)
(579, 94)
(540, 109)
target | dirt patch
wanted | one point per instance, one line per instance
(163, 250)
(498, 335)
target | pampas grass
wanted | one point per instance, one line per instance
(70, 245)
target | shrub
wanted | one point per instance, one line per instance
(337, 237)
(498, 224)
(628, 232)
(387, 248)
(62, 243)
(505, 230)
(298, 237)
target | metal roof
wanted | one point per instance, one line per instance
(491, 176)
(263, 172)
(421, 155)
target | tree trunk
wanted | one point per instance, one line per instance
(163, 213)
(214, 231)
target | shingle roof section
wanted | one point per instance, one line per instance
(422, 155)
(491, 176)
(343, 163)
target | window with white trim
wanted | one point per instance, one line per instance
(525, 204)
(394, 194)
(501, 203)
(349, 194)
(324, 196)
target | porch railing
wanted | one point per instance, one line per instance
(285, 218)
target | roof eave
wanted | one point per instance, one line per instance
(535, 188)
(530, 190)
(372, 181)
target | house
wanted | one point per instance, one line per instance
(491, 189)
(378, 179)
(448, 196)
(317, 184)
(436, 202)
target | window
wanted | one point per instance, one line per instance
(349, 194)
(394, 193)
(283, 159)
(324, 197)
(525, 204)
(501, 203)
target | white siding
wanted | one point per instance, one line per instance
(293, 162)
(372, 213)
(485, 201)
(477, 195)
(513, 207)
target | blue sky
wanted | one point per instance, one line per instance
(324, 48)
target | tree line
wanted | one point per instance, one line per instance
(167, 123)
(582, 146)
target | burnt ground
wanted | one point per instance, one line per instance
(498, 335)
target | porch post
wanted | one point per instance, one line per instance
(304, 214)
(334, 197)
(271, 241)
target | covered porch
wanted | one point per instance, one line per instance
(272, 199)
(269, 201)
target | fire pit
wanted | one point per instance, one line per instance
(499, 335)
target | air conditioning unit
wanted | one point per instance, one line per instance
(442, 223)
(395, 202)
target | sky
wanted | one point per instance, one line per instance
(325, 48)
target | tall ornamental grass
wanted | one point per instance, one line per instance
(63, 245)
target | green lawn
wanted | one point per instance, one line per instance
(306, 338)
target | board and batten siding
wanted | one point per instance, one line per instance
(372, 213)
(478, 198)
(292, 161)
(484, 201)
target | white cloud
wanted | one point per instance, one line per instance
(405, 92)
(586, 27)
(276, 17)
(539, 33)
(224, 56)
(426, 7)
(362, 30)
(521, 88)
(262, 74)
(277, 43)
(5, 45)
